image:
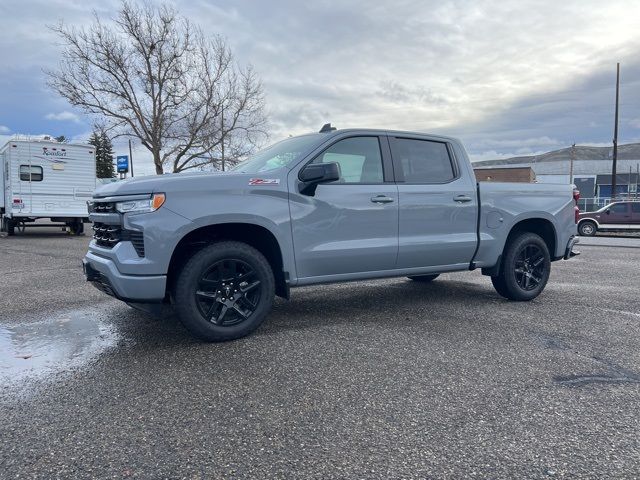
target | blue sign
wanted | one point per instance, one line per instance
(122, 162)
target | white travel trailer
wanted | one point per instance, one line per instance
(46, 179)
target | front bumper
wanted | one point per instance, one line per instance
(104, 275)
(568, 253)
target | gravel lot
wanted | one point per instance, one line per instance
(379, 379)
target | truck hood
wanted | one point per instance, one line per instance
(183, 181)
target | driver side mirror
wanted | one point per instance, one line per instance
(316, 173)
(608, 211)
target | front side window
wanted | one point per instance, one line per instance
(31, 173)
(359, 158)
(618, 208)
(422, 161)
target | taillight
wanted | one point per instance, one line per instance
(17, 200)
(576, 195)
(576, 212)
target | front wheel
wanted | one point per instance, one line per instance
(525, 268)
(224, 291)
(587, 229)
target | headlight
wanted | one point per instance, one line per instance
(142, 206)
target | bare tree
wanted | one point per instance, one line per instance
(153, 75)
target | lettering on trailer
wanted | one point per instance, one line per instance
(52, 155)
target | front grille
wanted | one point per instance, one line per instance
(108, 236)
(102, 207)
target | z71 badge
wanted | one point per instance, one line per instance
(264, 181)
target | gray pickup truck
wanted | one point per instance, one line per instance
(333, 206)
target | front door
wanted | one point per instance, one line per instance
(438, 204)
(618, 215)
(349, 226)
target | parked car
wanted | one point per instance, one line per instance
(334, 206)
(617, 216)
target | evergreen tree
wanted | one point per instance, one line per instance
(104, 154)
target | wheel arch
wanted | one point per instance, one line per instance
(538, 225)
(257, 236)
(582, 220)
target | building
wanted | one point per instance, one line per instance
(505, 174)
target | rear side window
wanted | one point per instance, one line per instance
(619, 208)
(635, 207)
(422, 161)
(31, 173)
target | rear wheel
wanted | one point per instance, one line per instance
(10, 226)
(424, 278)
(587, 229)
(224, 291)
(76, 227)
(525, 268)
(498, 284)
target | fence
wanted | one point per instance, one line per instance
(592, 204)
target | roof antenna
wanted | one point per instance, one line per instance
(327, 128)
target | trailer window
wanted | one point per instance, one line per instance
(31, 173)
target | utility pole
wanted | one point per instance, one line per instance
(615, 137)
(130, 158)
(573, 157)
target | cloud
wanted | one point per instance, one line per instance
(65, 116)
(506, 76)
(4, 130)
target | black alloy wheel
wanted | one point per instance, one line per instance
(529, 267)
(525, 267)
(224, 291)
(228, 292)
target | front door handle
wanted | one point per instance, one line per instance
(462, 199)
(381, 199)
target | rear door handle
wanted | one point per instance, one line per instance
(381, 199)
(462, 199)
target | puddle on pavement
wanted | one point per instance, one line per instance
(41, 349)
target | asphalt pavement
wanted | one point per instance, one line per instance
(376, 379)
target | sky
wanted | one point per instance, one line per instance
(509, 77)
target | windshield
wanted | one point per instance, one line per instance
(278, 155)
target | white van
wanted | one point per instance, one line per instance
(46, 179)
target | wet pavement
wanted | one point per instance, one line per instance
(41, 350)
(378, 379)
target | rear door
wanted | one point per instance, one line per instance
(618, 215)
(347, 227)
(438, 204)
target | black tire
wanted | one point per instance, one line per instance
(76, 227)
(424, 278)
(525, 269)
(11, 227)
(498, 284)
(587, 228)
(224, 291)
